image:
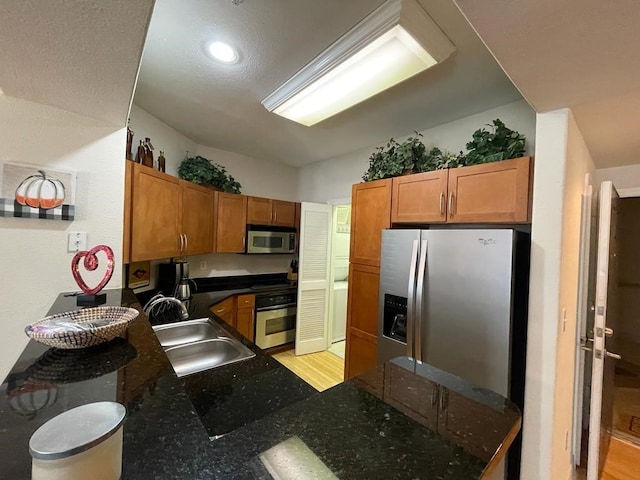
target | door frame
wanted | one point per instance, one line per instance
(334, 227)
(582, 312)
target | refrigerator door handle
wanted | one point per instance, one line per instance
(411, 299)
(422, 266)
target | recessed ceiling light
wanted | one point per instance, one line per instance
(223, 52)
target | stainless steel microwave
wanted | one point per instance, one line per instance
(262, 240)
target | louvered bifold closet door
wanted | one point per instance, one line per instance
(314, 278)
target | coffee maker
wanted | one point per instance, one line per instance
(173, 280)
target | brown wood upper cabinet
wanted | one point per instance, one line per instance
(197, 219)
(169, 217)
(420, 198)
(496, 192)
(266, 211)
(231, 222)
(370, 214)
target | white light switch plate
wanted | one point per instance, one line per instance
(77, 241)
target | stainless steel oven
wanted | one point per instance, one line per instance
(275, 319)
(271, 240)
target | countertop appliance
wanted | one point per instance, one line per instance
(275, 319)
(457, 300)
(263, 239)
(173, 280)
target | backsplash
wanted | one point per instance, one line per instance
(226, 265)
(232, 264)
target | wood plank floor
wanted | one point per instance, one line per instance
(321, 370)
(622, 462)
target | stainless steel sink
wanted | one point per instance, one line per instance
(188, 332)
(199, 345)
(199, 356)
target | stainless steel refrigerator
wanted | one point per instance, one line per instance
(457, 299)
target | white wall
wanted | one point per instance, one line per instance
(579, 163)
(622, 177)
(332, 178)
(257, 177)
(34, 263)
(229, 264)
(163, 137)
(562, 160)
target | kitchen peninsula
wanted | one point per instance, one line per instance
(400, 420)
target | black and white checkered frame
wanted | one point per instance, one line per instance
(11, 208)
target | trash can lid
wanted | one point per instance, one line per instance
(76, 430)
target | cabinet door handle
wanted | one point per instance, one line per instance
(275, 216)
(450, 207)
(186, 242)
(244, 243)
(220, 311)
(434, 396)
(181, 247)
(443, 399)
(441, 203)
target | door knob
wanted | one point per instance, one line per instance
(612, 355)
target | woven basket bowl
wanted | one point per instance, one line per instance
(118, 318)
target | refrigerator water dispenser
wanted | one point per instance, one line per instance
(395, 318)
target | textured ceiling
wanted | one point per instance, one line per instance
(219, 105)
(581, 54)
(77, 55)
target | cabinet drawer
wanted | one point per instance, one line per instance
(246, 301)
(223, 307)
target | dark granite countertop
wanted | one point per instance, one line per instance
(400, 420)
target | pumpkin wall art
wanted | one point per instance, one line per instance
(36, 191)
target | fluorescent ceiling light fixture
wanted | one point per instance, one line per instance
(395, 42)
(223, 52)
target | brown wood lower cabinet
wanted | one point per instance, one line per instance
(362, 319)
(416, 397)
(361, 353)
(471, 424)
(226, 310)
(245, 317)
(245, 322)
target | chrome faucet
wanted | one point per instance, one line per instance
(160, 299)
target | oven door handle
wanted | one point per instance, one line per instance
(276, 307)
(273, 314)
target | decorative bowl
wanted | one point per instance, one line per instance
(81, 328)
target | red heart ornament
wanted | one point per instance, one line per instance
(91, 263)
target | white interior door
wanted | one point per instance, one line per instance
(603, 340)
(314, 278)
(586, 239)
